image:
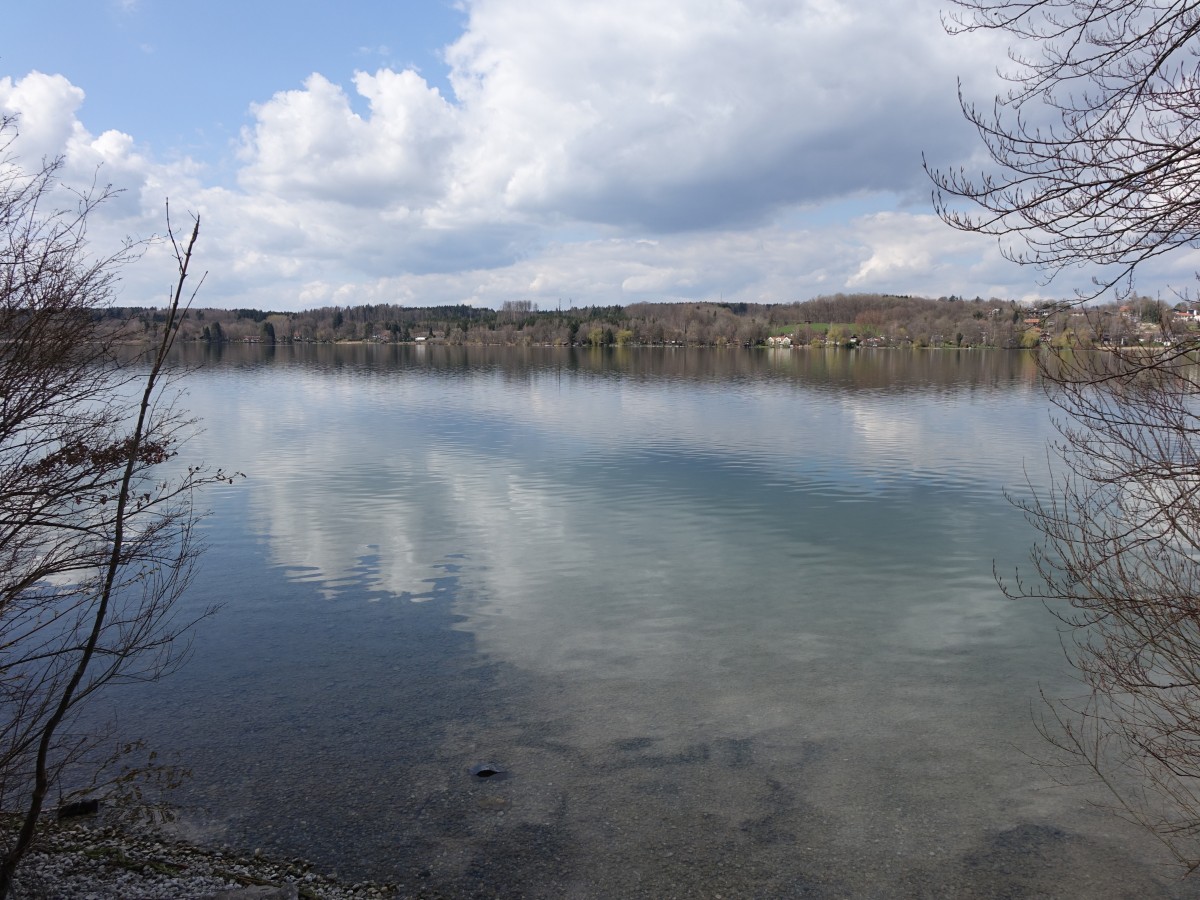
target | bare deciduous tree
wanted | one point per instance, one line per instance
(96, 542)
(1096, 144)
(1096, 153)
(1119, 563)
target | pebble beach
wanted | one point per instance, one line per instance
(92, 861)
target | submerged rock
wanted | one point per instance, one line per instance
(78, 808)
(487, 770)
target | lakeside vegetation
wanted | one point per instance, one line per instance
(866, 320)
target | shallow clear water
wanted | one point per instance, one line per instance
(726, 620)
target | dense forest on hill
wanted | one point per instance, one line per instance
(840, 320)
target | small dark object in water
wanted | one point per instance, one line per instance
(78, 808)
(486, 770)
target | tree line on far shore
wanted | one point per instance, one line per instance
(871, 320)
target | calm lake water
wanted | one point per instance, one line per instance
(726, 620)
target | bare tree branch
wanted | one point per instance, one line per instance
(96, 544)
(1096, 144)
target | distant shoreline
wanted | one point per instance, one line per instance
(862, 320)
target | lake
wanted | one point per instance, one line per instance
(724, 622)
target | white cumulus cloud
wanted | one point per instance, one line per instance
(603, 153)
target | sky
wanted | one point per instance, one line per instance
(426, 152)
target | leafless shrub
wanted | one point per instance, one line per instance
(97, 539)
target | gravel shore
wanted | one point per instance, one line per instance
(89, 861)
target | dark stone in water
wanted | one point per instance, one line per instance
(487, 770)
(78, 808)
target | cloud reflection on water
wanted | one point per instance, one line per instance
(773, 574)
(583, 499)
